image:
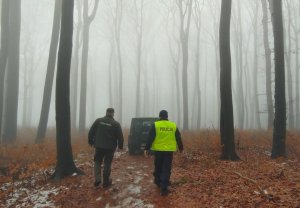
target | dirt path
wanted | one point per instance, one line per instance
(132, 185)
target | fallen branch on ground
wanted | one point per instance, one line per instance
(260, 189)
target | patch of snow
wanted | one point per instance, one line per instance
(134, 189)
(131, 202)
(137, 179)
(130, 168)
(33, 198)
(119, 154)
(99, 198)
(74, 174)
(118, 180)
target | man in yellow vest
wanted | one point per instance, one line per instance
(164, 137)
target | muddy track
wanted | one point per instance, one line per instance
(132, 185)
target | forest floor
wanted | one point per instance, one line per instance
(199, 178)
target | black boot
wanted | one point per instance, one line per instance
(164, 191)
(97, 183)
(107, 183)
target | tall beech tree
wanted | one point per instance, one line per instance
(3, 52)
(75, 65)
(87, 20)
(50, 73)
(268, 63)
(12, 73)
(65, 165)
(226, 116)
(279, 131)
(185, 13)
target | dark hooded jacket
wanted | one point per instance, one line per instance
(106, 133)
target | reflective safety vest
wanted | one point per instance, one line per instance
(165, 139)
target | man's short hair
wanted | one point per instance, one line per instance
(163, 114)
(110, 110)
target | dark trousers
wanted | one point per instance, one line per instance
(163, 166)
(100, 155)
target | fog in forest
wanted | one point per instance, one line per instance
(131, 35)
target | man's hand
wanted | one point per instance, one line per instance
(91, 142)
(146, 153)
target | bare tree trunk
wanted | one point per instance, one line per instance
(289, 70)
(268, 64)
(12, 92)
(214, 10)
(65, 165)
(279, 132)
(50, 73)
(117, 28)
(296, 30)
(184, 39)
(3, 53)
(25, 85)
(87, 20)
(75, 67)
(255, 68)
(297, 66)
(226, 117)
(139, 31)
(197, 19)
(240, 69)
(110, 68)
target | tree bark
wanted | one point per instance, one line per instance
(75, 67)
(3, 53)
(197, 20)
(87, 20)
(279, 131)
(139, 30)
(240, 69)
(226, 117)
(268, 64)
(12, 85)
(289, 69)
(255, 70)
(50, 74)
(184, 39)
(117, 30)
(65, 165)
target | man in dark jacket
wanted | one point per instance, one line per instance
(105, 135)
(164, 137)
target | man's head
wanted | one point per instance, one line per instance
(163, 114)
(110, 112)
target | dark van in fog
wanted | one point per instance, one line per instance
(139, 131)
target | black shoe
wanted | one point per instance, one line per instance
(164, 192)
(97, 183)
(107, 184)
(156, 183)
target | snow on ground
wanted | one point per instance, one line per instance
(24, 197)
(27, 194)
(129, 196)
